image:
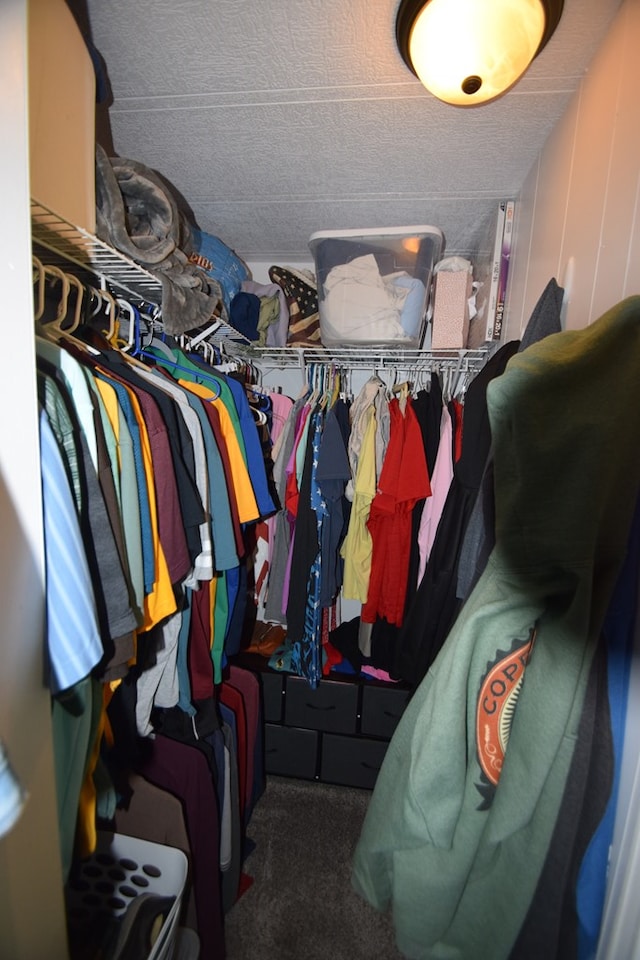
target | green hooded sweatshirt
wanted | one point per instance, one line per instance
(464, 808)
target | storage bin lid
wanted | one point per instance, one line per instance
(379, 233)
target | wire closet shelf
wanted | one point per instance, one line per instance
(70, 245)
(361, 358)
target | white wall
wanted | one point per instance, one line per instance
(581, 200)
(31, 908)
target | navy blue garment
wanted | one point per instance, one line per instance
(332, 474)
(245, 314)
(618, 634)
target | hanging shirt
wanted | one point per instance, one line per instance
(357, 545)
(223, 539)
(203, 560)
(160, 602)
(116, 617)
(77, 386)
(72, 634)
(371, 394)
(440, 483)
(243, 488)
(404, 480)
(332, 476)
(303, 608)
(274, 608)
(129, 493)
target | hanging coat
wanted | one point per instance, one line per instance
(465, 805)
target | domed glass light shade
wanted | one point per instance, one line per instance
(468, 52)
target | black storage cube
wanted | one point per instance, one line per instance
(333, 705)
(350, 761)
(382, 708)
(290, 751)
(272, 696)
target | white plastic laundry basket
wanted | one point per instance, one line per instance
(120, 869)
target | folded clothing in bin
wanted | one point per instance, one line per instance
(373, 285)
(360, 304)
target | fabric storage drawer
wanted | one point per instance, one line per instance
(381, 709)
(332, 706)
(272, 696)
(351, 761)
(290, 751)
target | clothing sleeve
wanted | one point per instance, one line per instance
(73, 639)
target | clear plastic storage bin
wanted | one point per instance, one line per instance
(374, 285)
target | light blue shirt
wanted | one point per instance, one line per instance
(73, 638)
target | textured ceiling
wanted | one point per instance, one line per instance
(277, 118)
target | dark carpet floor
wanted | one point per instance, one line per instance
(301, 905)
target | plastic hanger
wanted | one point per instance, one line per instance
(77, 316)
(39, 287)
(151, 316)
(97, 296)
(112, 313)
(175, 365)
(128, 308)
(58, 274)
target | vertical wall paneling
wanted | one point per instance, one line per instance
(580, 200)
(620, 251)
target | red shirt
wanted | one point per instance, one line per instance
(404, 479)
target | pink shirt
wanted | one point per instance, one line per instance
(440, 483)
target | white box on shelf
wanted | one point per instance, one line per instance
(374, 284)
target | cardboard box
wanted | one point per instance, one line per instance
(450, 323)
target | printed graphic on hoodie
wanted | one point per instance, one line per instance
(497, 700)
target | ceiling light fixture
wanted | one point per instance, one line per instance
(468, 52)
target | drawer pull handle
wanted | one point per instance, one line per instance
(314, 706)
(369, 766)
(390, 713)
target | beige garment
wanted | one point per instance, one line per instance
(373, 393)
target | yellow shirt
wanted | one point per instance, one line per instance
(357, 546)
